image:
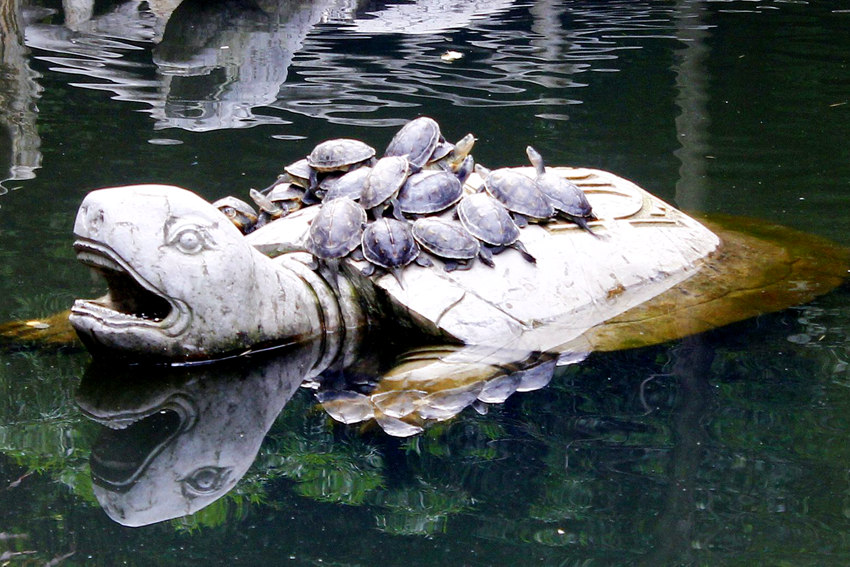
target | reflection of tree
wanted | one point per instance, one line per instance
(19, 141)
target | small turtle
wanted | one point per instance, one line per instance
(389, 244)
(381, 186)
(284, 198)
(338, 154)
(489, 221)
(429, 192)
(336, 230)
(518, 193)
(298, 173)
(565, 196)
(417, 140)
(287, 196)
(451, 157)
(449, 241)
(349, 185)
(269, 210)
(240, 213)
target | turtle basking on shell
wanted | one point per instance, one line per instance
(389, 244)
(449, 241)
(518, 193)
(489, 221)
(336, 232)
(451, 157)
(348, 185)
(416, 140)
(566, 197)
(338, 154)
(429, 192)
(382, 185)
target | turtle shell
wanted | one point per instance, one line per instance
(349, 185)
(445, 238)
(384, 181)
(298, 172)
(389, 243)
(487, 219)
(519, 193)
(337, 229)
(417, 140)
(339, 153)
(429, 192)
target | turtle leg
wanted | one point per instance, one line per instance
(460, 265)
(582, 222)
(520, 220)
(357, 254)
(486, 256)
(368, 270)
(520, 247)
(397, 209)
(424, 261)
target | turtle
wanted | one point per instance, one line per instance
(389, 244)
(287, 196)
(298, 173)
(566, 197)
(348, 185)
(417, 140)
(429, 192)
(491, 223)
(451, 157)
(336, 229)
(240, 213)
(382, 185)
(338, 154)
(334, 233)
(518, 193)
(281, 200)
(450, 241)
(269, 210)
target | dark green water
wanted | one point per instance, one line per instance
(723, 449)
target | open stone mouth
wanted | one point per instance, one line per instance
(128, 444)
(129, 300)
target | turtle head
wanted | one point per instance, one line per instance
(536, 160)
(183, 283)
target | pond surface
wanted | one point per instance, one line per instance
(725, 448)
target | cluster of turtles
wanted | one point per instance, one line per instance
(410, 204)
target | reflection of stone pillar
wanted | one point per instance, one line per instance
(19, 146)
(692, 122)
(77, 12)
(547, 26)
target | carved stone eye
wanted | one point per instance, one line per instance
(190, 240)
(206, 480)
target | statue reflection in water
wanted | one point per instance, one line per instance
(176, 439)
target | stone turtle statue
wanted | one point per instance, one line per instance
(185, 284)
